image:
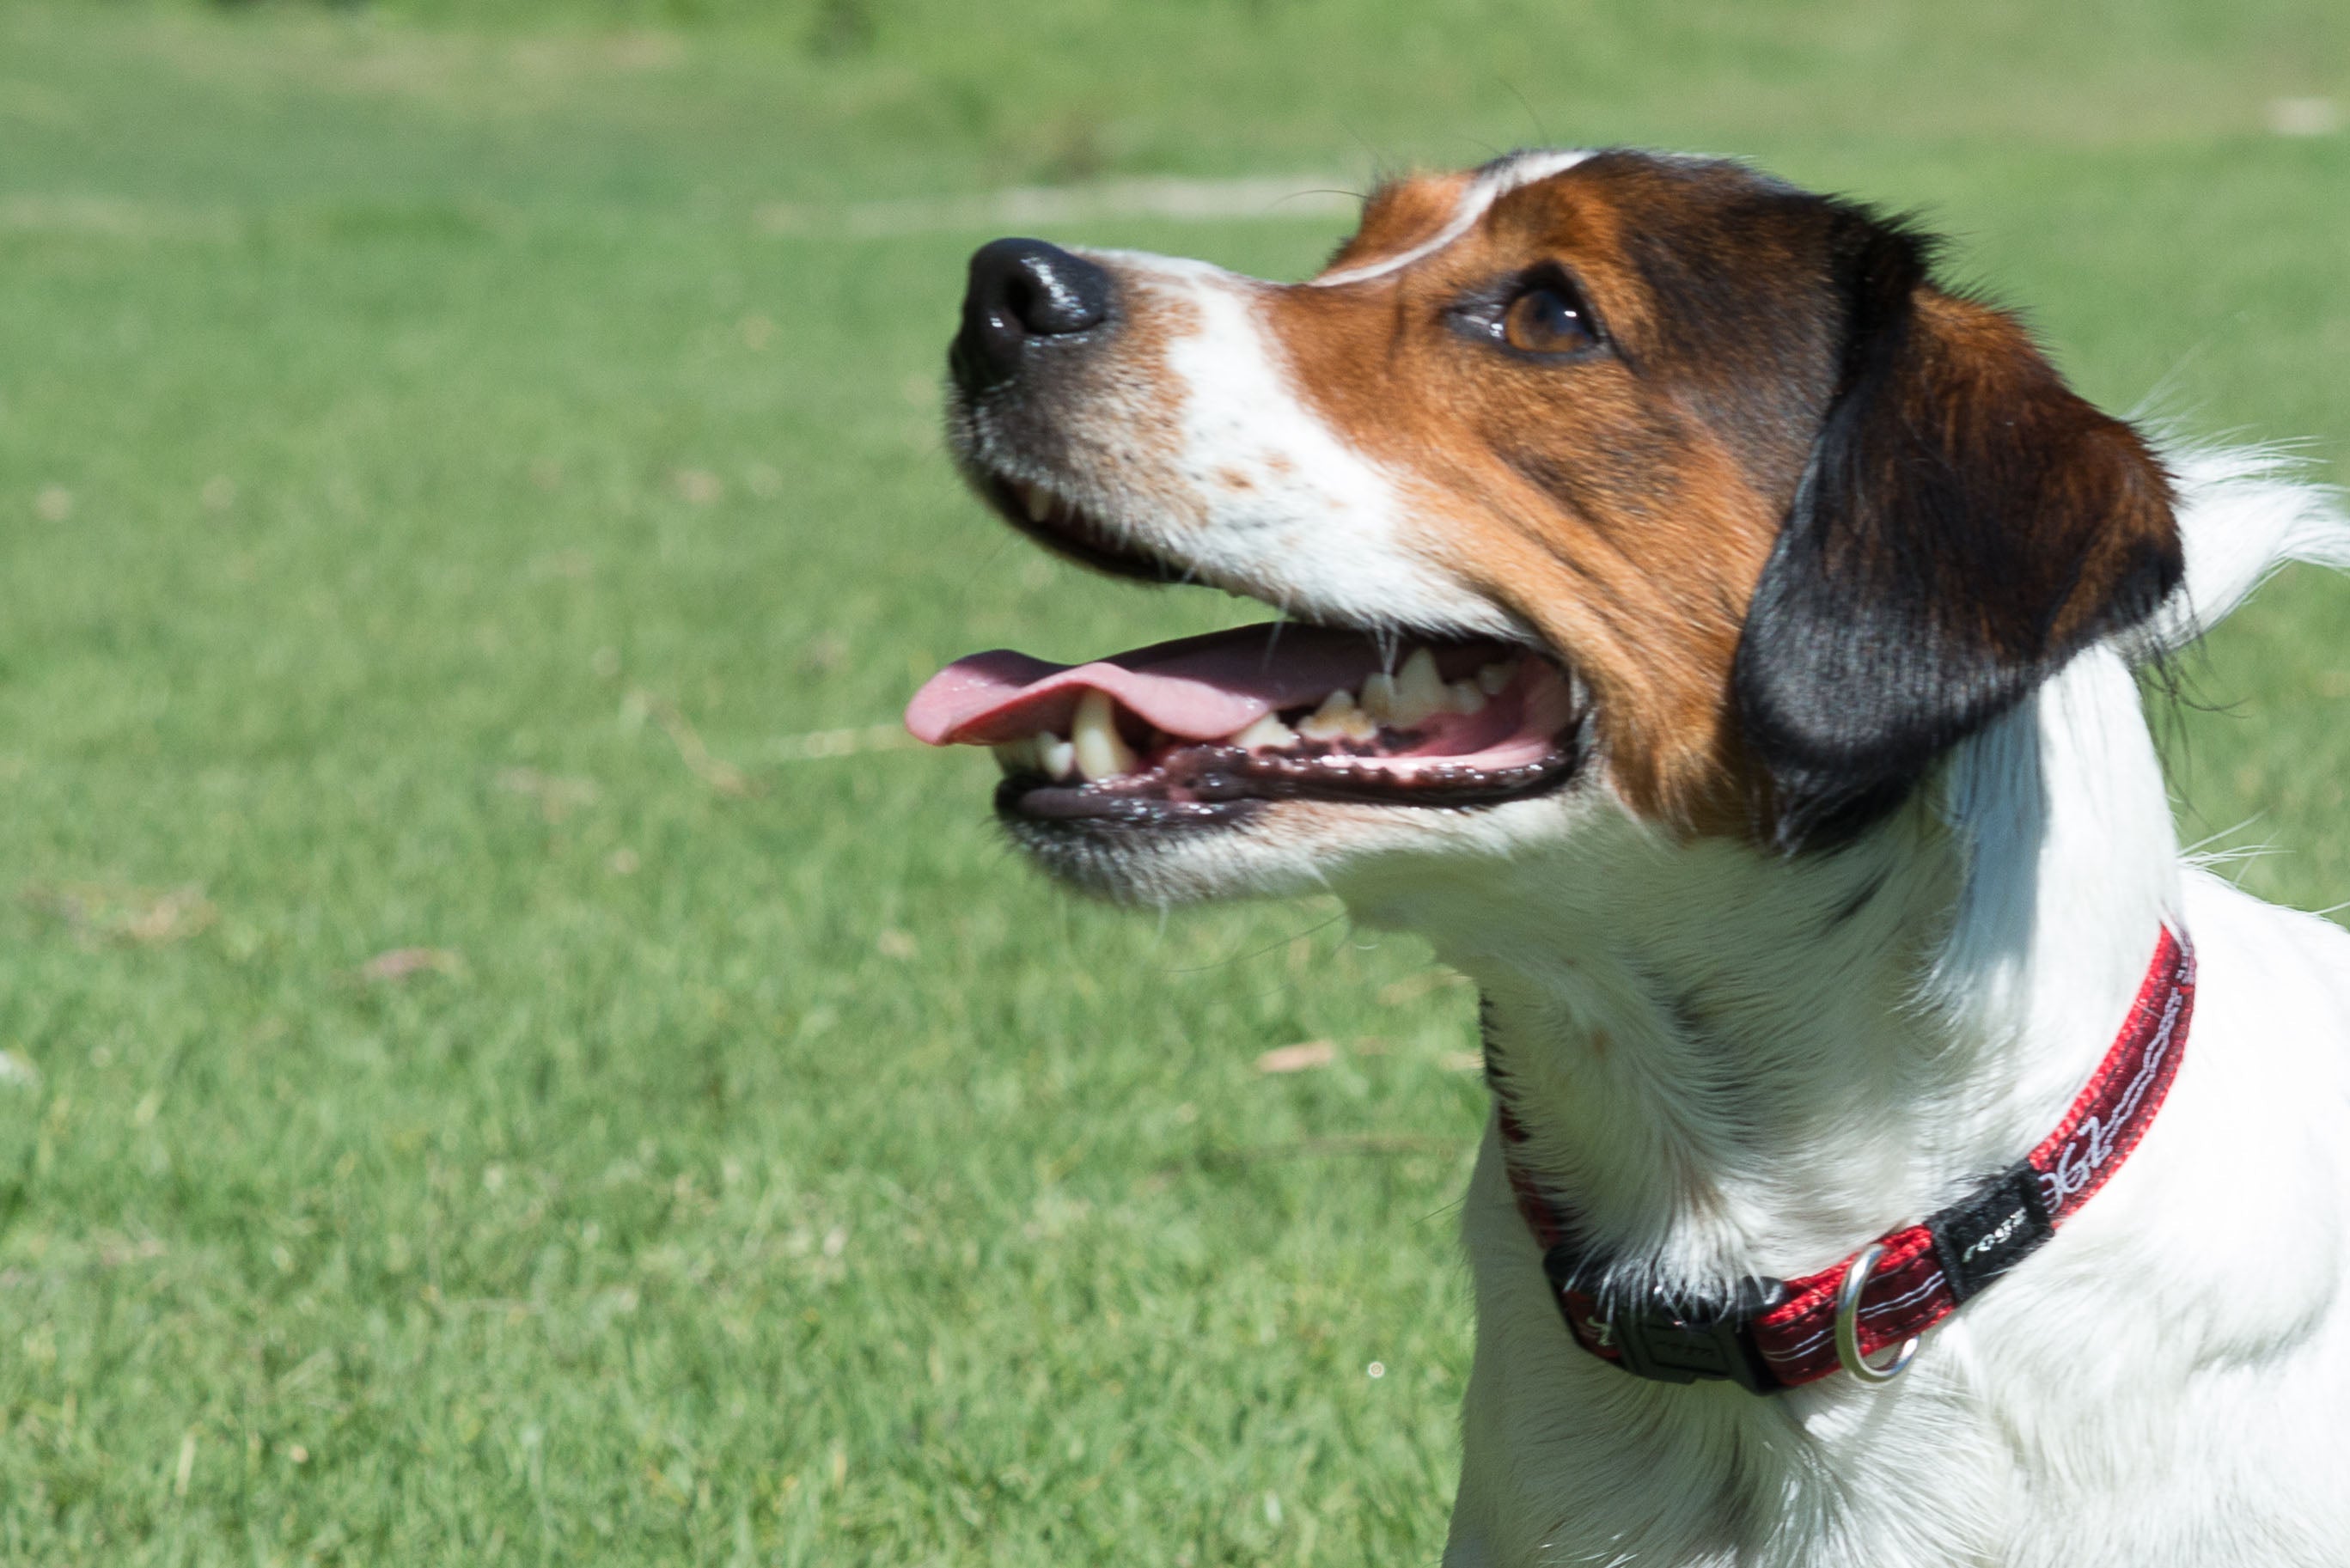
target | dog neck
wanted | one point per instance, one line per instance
(1728, 1062)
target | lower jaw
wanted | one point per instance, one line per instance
(1046, 807)
(1217, 787)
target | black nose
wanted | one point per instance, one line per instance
(1022, 290)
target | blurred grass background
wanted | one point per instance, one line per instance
(483, 1086)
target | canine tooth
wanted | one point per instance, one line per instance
(1038, 502)
(1331, 720)
(1267, 735)
(1378, 698)
(1101, 752)
(1494, 677)
(1059, 756)
(1419, 689)
(1465, 697)
(1338, 719)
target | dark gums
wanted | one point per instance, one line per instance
(1203, 784)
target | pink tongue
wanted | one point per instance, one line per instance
(1200, 688)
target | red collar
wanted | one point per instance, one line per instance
(1775, 1334)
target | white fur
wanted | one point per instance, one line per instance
(2272, 516)
(2163, 1384)
(1258, 493)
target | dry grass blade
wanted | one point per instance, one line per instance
(557, 797)
(1302, 1058)
(402, 963)
(109, 912)
(721, 776)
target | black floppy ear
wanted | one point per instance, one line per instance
(1965, 525)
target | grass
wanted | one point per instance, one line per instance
(437, 497)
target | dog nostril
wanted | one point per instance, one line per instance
(1022, 290)
(1020, 301)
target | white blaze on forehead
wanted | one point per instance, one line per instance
(1288, 509)
(1484, 191)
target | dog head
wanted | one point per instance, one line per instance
(1586, 483)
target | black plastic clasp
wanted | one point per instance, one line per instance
(1677, 1344)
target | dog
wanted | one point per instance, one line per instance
(1723, 641)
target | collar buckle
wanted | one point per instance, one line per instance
(1667, 1343)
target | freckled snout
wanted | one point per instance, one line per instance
(1026, 296)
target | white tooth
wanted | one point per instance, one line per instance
(1335, 718)
(1464, 697)
(1338, 719)
(1059, 758)
(1267, 735)
(1494, 677)
(1378, 698)
(1101, 752)
(1013, 756)
(1038, 501)
(1419, 689)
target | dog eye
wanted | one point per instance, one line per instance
(1548, 319)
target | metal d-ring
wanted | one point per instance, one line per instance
(1847, 1324)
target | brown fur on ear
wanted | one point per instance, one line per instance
(1966, 525)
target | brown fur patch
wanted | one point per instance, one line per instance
(1622, 503)
(1968, 525)
(1399, 214)
(2101, 487)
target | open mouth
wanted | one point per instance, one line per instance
(1208, 728)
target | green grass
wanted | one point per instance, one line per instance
(434, 491)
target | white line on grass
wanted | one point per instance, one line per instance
(1276, 196)
(818, 744)
(114, 218)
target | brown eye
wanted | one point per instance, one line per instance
(1548, 320)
